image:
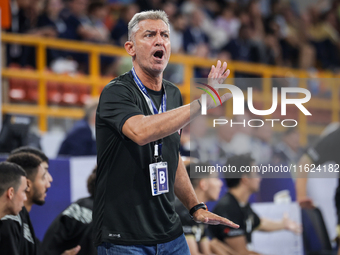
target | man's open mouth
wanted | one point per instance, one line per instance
(158, 54)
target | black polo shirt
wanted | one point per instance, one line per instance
(244, 216)
(327, 149)
(125, 212)
(17, 235)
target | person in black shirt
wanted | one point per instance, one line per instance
(207, 188)
(73, 226)
(235, 206)
(17, 233)
(128, 208)
(326, 149)
(13, 186)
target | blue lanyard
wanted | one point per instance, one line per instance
(140, 85)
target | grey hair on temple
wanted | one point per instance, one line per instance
(138, 17)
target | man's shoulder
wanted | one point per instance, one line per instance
(122, 80)
(81, 211)
(12, 219)
(85, 202)
(226, 204)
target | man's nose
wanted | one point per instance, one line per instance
(159, 40)
(49, 177)
(48, 184)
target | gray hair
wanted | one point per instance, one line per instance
(138, 17)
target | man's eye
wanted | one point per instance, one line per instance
(148, 35)
(166, 35)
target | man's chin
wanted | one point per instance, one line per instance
(39, 202)
(159, 67)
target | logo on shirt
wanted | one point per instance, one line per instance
(114, 235)
(226, 230)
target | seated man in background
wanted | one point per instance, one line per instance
(73, 226)
(39, 154)
(17, 233)
(81, 140)
(236, 207)
(207, 188)
(13, 186)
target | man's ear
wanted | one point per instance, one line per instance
(130, 48)
(29, 185)
(10, 193)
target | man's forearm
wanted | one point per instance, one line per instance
(270, 225)
(145, 129)
(183, 187)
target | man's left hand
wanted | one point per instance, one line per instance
(202, 216)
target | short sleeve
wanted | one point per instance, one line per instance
(117, 104)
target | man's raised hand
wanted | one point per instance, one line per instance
(217, 76)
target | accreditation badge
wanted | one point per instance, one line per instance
(159, 178)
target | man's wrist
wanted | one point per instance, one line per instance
(196, 208)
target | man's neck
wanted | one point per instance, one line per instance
(28, 205)
(241, 194)
(150, 81)
(4, 207)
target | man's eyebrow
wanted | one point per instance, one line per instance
(153, 31)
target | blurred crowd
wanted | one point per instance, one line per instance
(274, 32)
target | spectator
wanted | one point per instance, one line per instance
(229, 23)
(97, 11)
(24, 21)
(50, 18)
(177, 28)
(13, 185)
(324, 37)
(207, 188)
(243, 48)
(119, 33)
(194, 35)
(235, 205)
(73, 226)
(80, 141)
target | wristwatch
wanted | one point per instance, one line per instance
(197, 207)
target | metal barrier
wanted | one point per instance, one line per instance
(96, 82)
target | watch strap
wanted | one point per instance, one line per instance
(197, 207)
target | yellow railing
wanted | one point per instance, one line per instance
(43, 111)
